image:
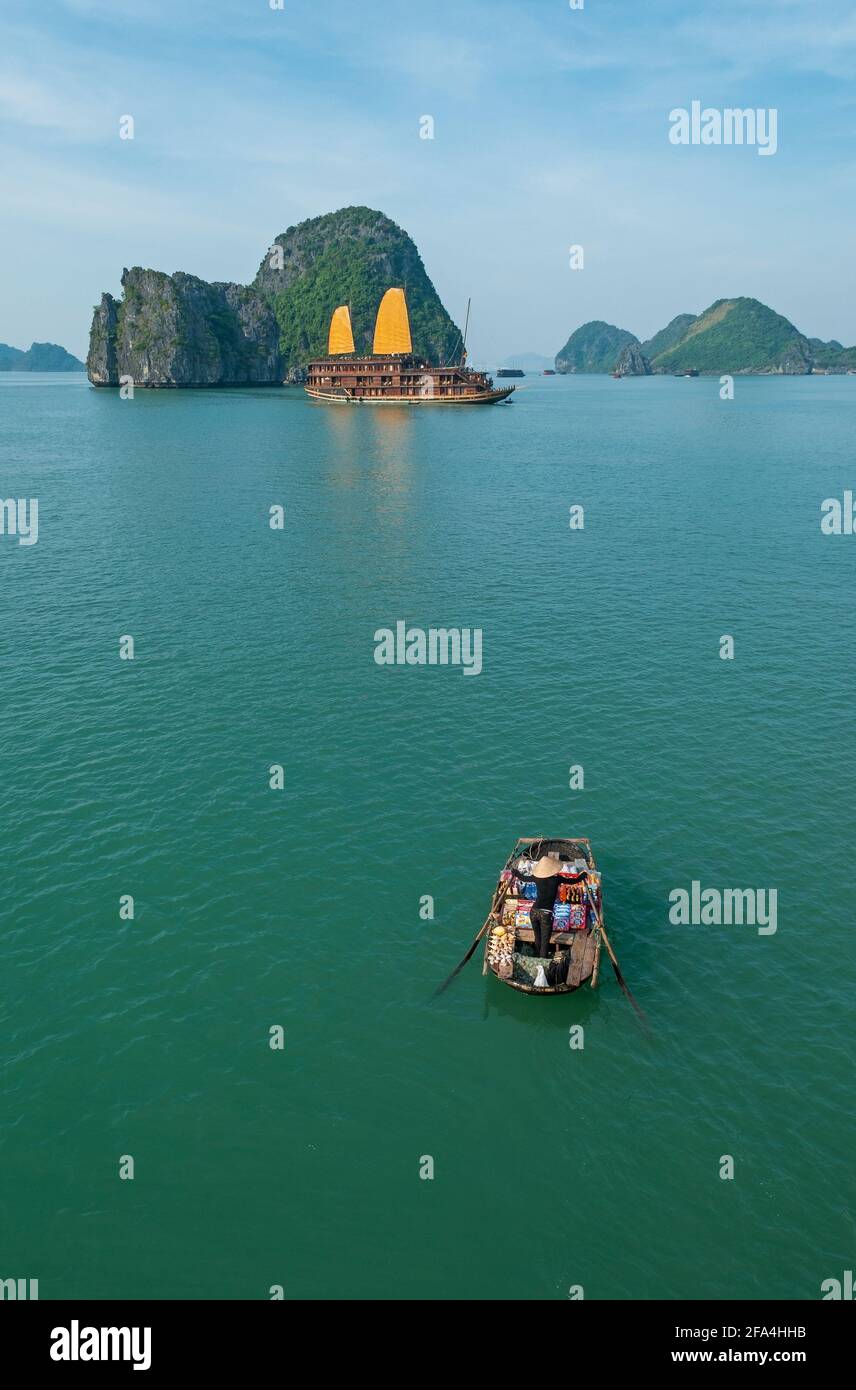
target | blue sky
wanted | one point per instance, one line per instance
(551, 128)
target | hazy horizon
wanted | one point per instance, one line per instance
(551, 129)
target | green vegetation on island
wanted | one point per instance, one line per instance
(832, 356)
(668, 336)
(349, 257)
(178, 330)
(595, 347)
(733, 336)
(738, 335)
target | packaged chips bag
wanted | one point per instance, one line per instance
(562, 917)
(576, 916)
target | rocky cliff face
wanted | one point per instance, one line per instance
(101, 360)
(632, 362)
(178, 330)
(795, 360)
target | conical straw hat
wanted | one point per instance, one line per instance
(546, 867)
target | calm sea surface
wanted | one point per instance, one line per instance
(301, 907)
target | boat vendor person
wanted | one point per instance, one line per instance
(546, 875)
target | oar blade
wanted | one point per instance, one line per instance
(455, 973)
(599, 926)
(498, 899)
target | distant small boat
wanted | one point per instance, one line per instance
(616, 376)
(693, 371)
(577, 949)
(510, 371)
(548, 371)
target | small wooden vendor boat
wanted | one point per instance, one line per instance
(575, 958)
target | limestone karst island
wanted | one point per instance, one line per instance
(176, 330)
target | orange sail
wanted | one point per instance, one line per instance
(341, 337)
(392, 329)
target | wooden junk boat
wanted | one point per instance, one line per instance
(577, 951)
(392, 375)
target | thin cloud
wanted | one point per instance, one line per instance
(26, 101)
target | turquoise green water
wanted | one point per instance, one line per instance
(301, 907)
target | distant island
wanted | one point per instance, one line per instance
(177, 330)
(733, 336)
(39, 357)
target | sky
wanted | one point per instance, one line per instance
(551, 129)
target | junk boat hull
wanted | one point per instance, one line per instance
(399, 381)
(577, 951)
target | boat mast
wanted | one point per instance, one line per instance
(466, 330)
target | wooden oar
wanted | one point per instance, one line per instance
(616, 967)
(498, 899)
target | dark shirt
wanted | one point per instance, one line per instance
(547, 889)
